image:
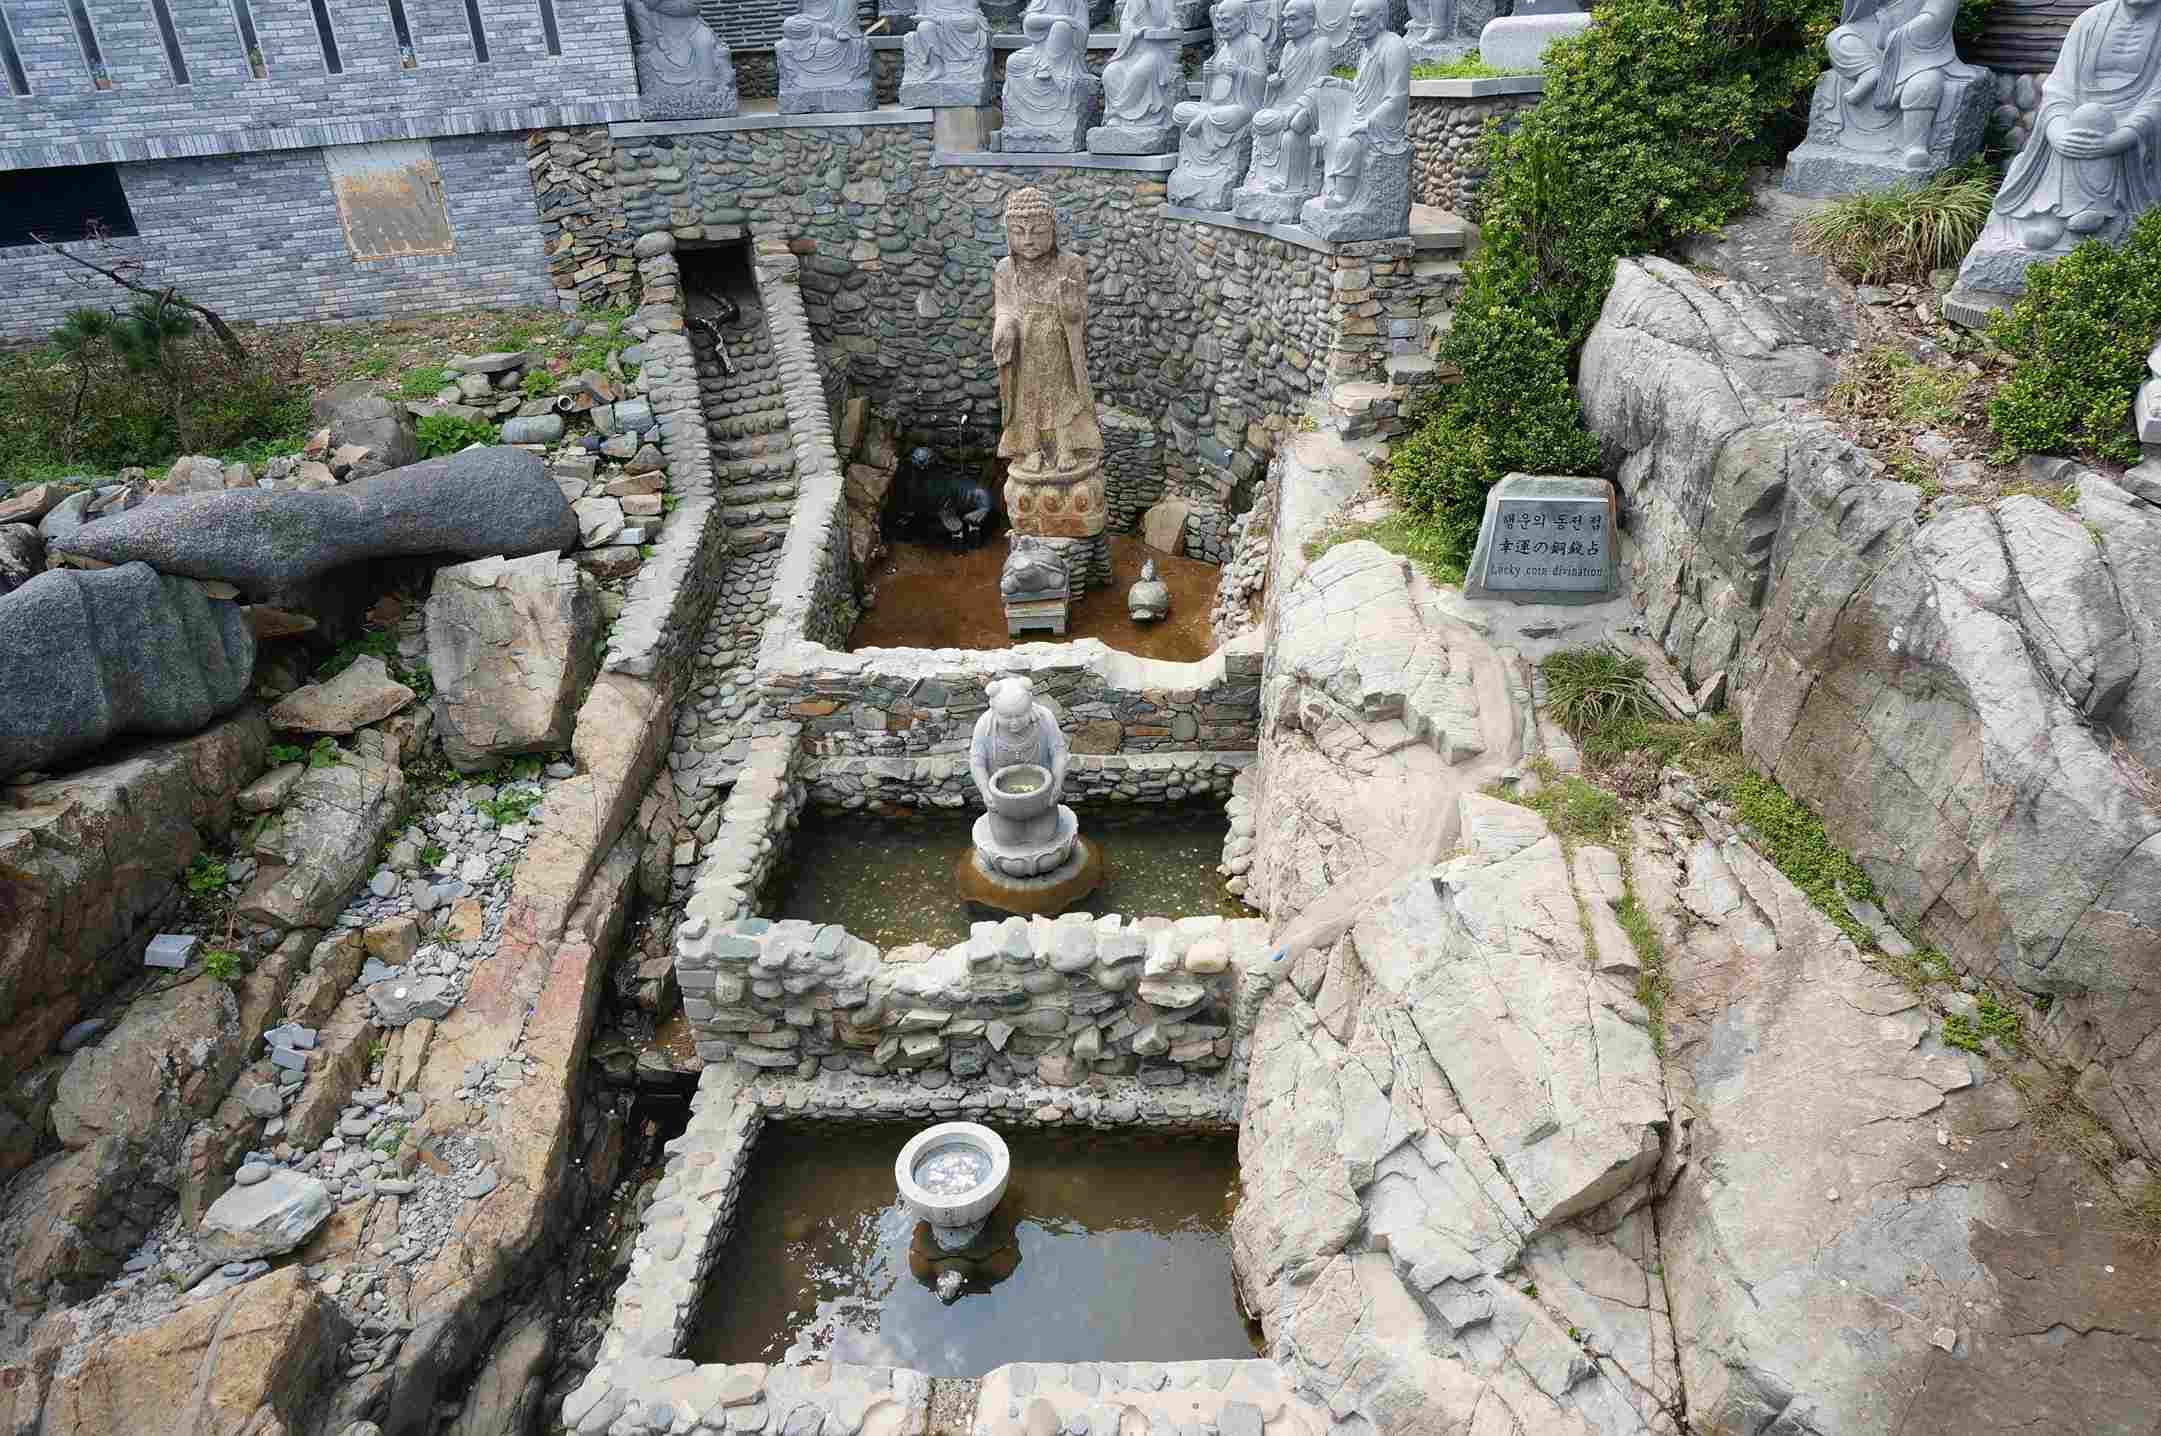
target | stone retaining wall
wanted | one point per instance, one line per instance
(588, 241)
(1055, 1000)
(890, 702)
(1448, 140)
(886, 784)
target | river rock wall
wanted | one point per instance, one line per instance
(1968, 697)
(1053, 1000)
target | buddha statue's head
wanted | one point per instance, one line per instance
(1369, 19)
(1297, 19)
(1229, 18)
(1012, 704)
(1031, 225)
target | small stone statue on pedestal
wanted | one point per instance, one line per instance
(1366, 184)
(2093, 162)
(1137, 85)
(683, 68)
(1034, 587)
(1215, 143)
(1050, 99)
(824, 61)
(1028, 853)
(1039, 341)
(947, 58)
(1896, 106)
(1150, 597)
(1443, 30)
(1283, 175)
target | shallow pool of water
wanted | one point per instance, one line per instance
(889, 880)
(1106, 1248)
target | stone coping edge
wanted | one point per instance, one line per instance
(1426, 233)
(771, 120)
(1483, 88)
(1073, 160)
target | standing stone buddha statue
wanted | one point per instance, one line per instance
(1039, 341)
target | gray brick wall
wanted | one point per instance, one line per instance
(66, 120)
(257, 237)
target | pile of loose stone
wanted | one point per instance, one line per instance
(1245, 572)
(416, 1187)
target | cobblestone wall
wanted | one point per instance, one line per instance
(892, 702)
(1448, 147)
(585, 233)
(1060, 1000)
(887, 784)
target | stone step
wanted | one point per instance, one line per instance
(739, 494)
(755, 539)
(770, 468)
(737, 516)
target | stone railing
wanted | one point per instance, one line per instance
(1057, 1000)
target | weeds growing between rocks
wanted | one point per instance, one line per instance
(1901, 233)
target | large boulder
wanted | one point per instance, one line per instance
(355, 414)
(510, 647)
(478, 502)
(325, 839)
(1451, 1091)
(254, 1359)
(92, 656)
(89, 864)
(1951, 694)
(22, 556)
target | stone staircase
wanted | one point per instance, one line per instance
(755, 484)
(1381, 408)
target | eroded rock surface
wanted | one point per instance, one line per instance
(325, 839)
(91, 656)
(510, 647)
(1968, 700)
(1449, 1083)
(1377, 711)
(88, 863)
(474, 503)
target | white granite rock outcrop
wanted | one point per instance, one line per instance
(510, 647)
(1969, 698)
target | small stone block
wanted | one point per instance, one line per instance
(171, 949)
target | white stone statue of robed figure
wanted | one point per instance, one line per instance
(1366, 179)
(1050, 99)
(1028, 854)
(2093, 162)
(1897, 104)
(946, 58)
(683, 68)
(824, 61)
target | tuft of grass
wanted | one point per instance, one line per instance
(1887, 380)
(2000, 1023)
(1960, 1033)
(423, 383)
(1590, 689)
(324, 752)
(1577, 811)
(510, 807)
(2138, 1213)
(441, 434)
(1709, 747)
(1653, 983)
(222, 965)
(1901, 233)
(432, 854)
(282, 753)
(1793, 839)
(1421, 543)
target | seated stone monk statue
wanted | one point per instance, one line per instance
(2092, 164)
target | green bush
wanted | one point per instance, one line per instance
(1591, 689)
(447, 433)
(2080, 338)
(1901, 233)
(78, 405)
(1649, 122)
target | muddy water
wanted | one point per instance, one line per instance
(932, 598)
(889, 881)
(1104, 1249)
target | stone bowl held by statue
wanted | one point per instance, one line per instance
(953, 1175)
(1021, 791)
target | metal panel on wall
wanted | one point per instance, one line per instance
(390, 199)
